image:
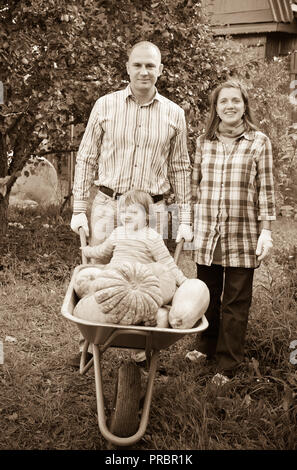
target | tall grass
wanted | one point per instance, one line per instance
(44, 404)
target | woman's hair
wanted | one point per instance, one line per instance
(136, 196)
(214, 120)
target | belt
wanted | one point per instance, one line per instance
(109, 192)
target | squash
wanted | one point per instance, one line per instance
(88, 309)
(162, 318)
(189, 304)
(167, 282)
(83, 280)
(129, 294)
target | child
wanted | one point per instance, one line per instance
(134, 240)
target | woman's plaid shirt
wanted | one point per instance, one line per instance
(232, 192)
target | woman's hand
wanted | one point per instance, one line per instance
(264, 244)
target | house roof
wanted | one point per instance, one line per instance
(281, 11)
(252, 16)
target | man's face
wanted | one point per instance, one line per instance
(144, 67)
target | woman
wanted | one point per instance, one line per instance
(232, 189)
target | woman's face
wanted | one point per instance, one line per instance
(230, 106)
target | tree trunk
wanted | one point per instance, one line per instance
(3, 215)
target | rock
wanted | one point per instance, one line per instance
(37, 184)
(25, 203)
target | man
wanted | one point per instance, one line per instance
(135, 139)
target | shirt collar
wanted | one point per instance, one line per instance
(128, 93)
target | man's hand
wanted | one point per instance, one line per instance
(264, 244)
(79, 220)
(184, 231)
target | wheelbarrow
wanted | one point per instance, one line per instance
(128, 423)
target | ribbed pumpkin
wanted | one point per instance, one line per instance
(129, 294)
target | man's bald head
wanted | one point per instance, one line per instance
(145, 45)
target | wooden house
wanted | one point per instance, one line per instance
(269, 26)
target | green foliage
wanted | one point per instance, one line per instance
(287, 167)
(61, 56)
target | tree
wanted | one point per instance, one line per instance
(59, 56)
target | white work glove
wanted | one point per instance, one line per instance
(184, 231)
(264, 244)
(79, 220)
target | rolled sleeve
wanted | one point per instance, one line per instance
(87, 160)
(265, 184)
(179, 165)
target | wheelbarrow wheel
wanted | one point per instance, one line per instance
(125, 416)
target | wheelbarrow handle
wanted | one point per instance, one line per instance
(83, 242)
(178, 250)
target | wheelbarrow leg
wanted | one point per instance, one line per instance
(84, 367)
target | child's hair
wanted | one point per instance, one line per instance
(136, 196)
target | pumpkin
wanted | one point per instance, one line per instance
(83, 280)
(88, 309)
(129, 294)
(189, 304)
(162, 318)
(167, 282)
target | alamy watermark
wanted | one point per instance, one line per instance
(1, 353)
(1, 93)
(293, 354)
(293, 94)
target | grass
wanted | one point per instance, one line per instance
(44, 404)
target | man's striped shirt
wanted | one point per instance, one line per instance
(232, 192)
(134, 146)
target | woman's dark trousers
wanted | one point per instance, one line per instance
(227, 314)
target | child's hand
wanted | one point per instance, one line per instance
(84, 249)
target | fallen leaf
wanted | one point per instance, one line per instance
(247, 400)
(13, 417)
(195, 356)
(288, 398)
(10, 339)
(255, 367)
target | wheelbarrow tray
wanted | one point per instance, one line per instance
(122, 336)
(101, 336)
